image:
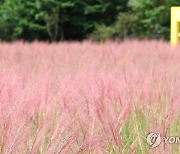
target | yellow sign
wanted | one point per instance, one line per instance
(175, 20)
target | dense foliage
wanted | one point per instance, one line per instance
(143, 19)
(80, 19)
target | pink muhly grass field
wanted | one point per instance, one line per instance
(82, 97)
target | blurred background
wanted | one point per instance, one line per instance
(99, 20)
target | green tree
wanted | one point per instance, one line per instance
(56, 19)
(143, 19)
(18, 21)
(154, 17)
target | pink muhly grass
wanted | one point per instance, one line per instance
(73, 97)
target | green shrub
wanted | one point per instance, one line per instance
(126, 26)
(103, 33)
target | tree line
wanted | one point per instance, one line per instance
(54, 20)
